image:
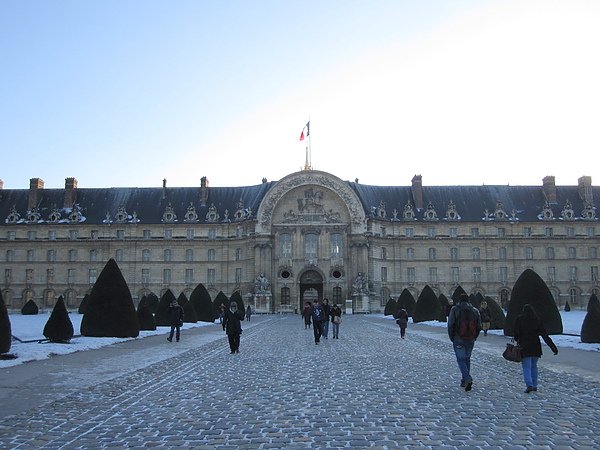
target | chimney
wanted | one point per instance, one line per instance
(70, 192)
(203, 191)
(1, 184)
(164, 188)
(550, 188)
(585, 189)
(35, 185)
(417, 191)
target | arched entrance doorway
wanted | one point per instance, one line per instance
(311, 287)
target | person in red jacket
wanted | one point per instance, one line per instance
(528, 329)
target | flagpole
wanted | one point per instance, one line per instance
(309, 146)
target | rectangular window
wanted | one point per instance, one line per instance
(238, 254)
(310, 246)
(145, 277)
(190, 233)
(572, 253)
(475, 232)
(433, 275)
(454, 254)
(384, 274)
(168, 233)
(502, 253)
(167, 255)
(211, 276)
(12, 235)
(31, 235)
(211, 254)
(51, 256)
(72, 255)
(453, 232)
(52, 235)
(336, 246)
(432, 254)
(166, 276)
(119, 255)
(50, 276)
(147, 234)
(94, 234)
(593, 253)
(145, 255)
(410, 274)
(73, 234)
(71, 276)
(431, 232)
(591, 232)
(549, 232)
(409, 232)
(7, 276)
(121, 234)
(551, 273)
(527, 231)
(337, 295)
(285, 245)
(285, 296)
(594, 273)
(476, 253)
(189, 276)
(501, 232)
(549, 252)
(455, 274)
(476, 275)
(573, 273)
(10, 255)
(570, 232)
(503, 275)
(528, 252)
(212, 233)
(30, 255)
(92, 276)
(28, 275)
(383, 253)
(93, 255)
(238, 275)
(410, 253)
(382, 231)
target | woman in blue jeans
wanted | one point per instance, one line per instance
(528, 329)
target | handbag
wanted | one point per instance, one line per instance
(512, 352)
(337, 320)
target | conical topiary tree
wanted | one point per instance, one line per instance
(237, 298)
(200, 300)
(427, 306)
(220, 299)
(444, 305)
(152, 302)
(391, 307)
(476, 300)
(530, 288)
(407, 301)
(145, 316)
(497, 313)
(84, 303)
(590, 328)
(5, 328)
(457, 293)
(567, 306)
(162, 315)
(59, 327)
(182, 300)
(30, 308)
(110, 312)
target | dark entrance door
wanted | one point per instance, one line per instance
(311, 287)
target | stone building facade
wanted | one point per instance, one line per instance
(309, 235)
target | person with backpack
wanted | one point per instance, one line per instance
(464, 325)
(317, 320)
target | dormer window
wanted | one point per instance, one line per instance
(169, 215)
(121, 215)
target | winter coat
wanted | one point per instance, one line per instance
(528, 329)
(232, 321)
(326, 311)
(485, 314)
(335, 311)
(455, 315)
(402, 319)
(175, 315)
(317, 313)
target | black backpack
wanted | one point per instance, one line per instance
(466, 327)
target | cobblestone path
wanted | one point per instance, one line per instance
(367, 389)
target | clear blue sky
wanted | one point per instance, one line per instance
(128, 92)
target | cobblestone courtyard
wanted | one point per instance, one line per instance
(367, 389)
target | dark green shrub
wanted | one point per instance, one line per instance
(145, 316)
(427, 306)
(30, 308)
(182, 300)
(391, 308)
(567, 306)
(457, 293)
(476, 300)
(530, 288)
(152, 302)
(406, 301)
(59, 327)
(590, 328)
(163, 316)
(84, 303)
(110, 312)
(5, 328)
(444, 308)
(200, 300)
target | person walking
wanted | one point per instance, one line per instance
(326, 312)
(222, 315)
(175, 320)
(336, 320)
(464, 325)
(248, 313)
(233, 326)
(528, 329)
(402, 321)
(317, 317)
(486, 317)
(306, 311)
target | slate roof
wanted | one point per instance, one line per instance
(149, 204)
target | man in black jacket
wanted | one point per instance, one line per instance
(175, 320)
(233, 326)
